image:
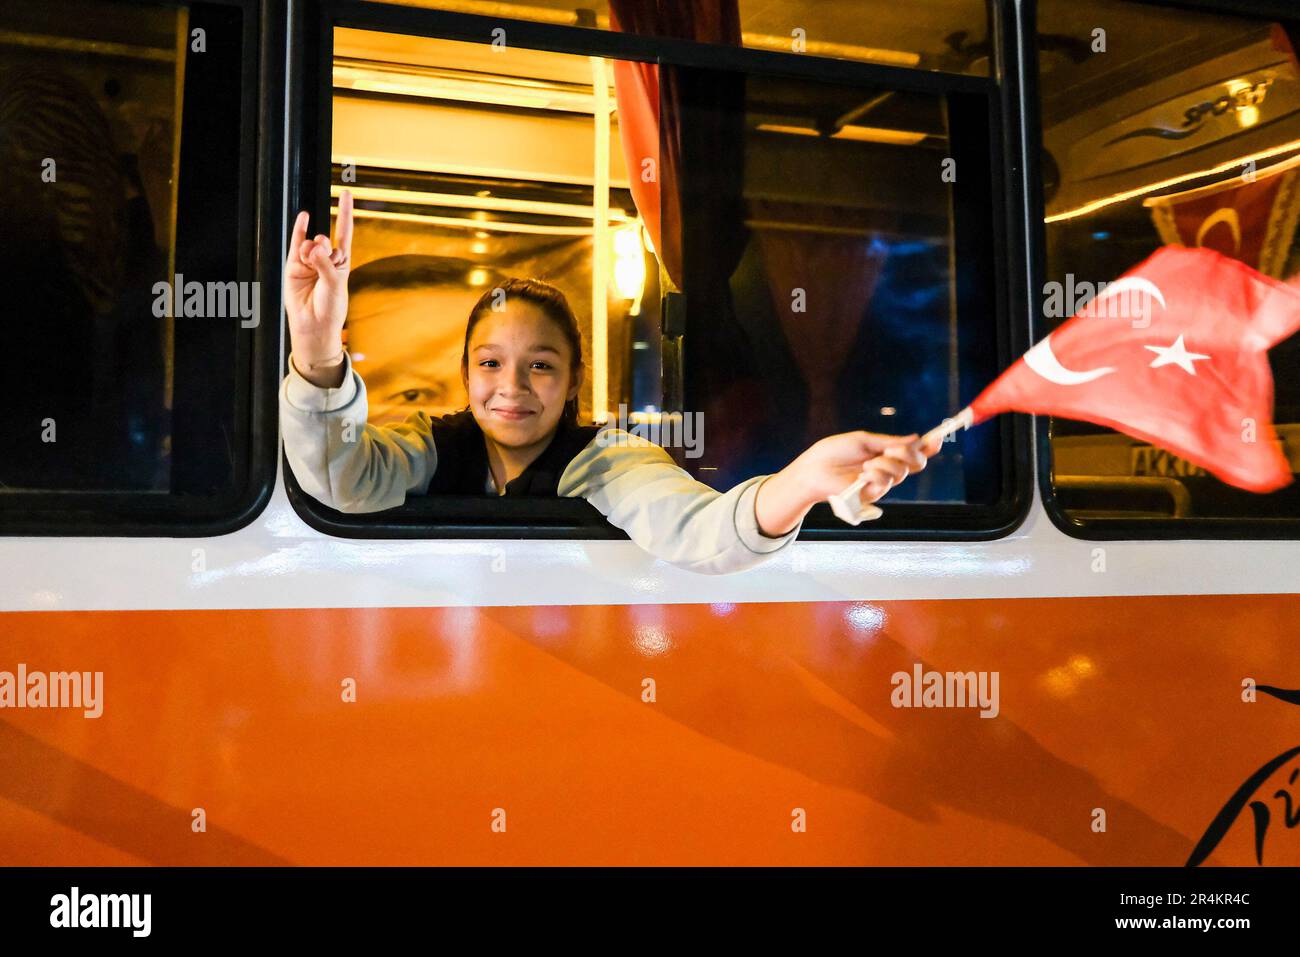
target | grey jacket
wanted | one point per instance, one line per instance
(348, 464)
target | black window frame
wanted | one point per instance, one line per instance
(312, 33)
(260, 228)
(1120, 529)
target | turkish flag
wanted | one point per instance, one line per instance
(1251, 219)
(1175, 353)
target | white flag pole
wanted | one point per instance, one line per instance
(847, 505)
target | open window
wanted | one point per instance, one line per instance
(795, 243)
(136, 314)
(1164, 125)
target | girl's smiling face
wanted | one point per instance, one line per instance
(519, 375)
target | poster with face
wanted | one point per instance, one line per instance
(406, 330)
(411, 291)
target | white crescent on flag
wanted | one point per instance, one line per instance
(1043, 360)
(1132, 284)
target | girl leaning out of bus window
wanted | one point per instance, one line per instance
(522, 368)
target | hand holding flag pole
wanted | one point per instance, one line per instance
(847, 505)
(1173, 353)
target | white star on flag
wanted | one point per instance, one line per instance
(1177, 354)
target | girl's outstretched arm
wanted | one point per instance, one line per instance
(640, 489)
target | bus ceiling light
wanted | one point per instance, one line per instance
(861, 134)
(1233, 165)
(457, 222)
(838, 51)
(429, 84)
(397, 87)
(629, 262)
(479, 202)
(1247, 113)
(878, 134)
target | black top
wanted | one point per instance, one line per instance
(463, 464)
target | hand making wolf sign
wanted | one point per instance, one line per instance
(316, 295)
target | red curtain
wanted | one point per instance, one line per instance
(650, 110)
(837, 274)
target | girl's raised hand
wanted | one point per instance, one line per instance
(316, 287)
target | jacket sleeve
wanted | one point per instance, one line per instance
(342, 461)
(637, 486)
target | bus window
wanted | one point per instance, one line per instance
(771, 258)
(1163, 126)
(946, 35)
(493, 177)
(853, 290)
(130, 309)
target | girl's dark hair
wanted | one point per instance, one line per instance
(552, 303)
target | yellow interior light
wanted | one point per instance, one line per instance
(629, 262)
(861, 134)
